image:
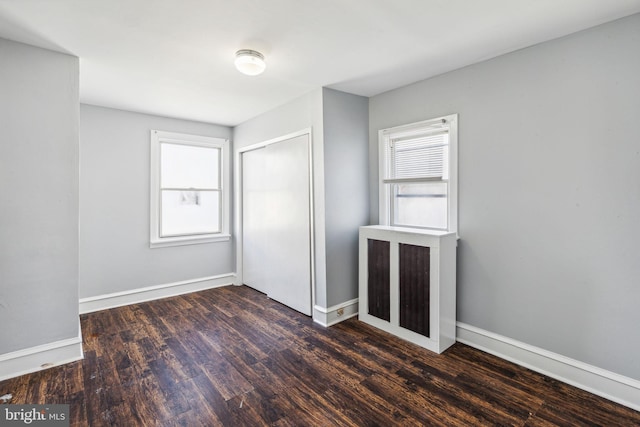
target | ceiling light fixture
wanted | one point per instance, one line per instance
(250, 62)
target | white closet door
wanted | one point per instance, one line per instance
(276, 222)
(288, 223)
(254, 238)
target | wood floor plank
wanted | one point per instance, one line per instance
(233, 357)
(360, 406)
(267, 381)
(225, 377)
(307, 408)
(410, 401)
(254, 408)
(215, 400)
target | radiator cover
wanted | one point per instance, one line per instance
(407, 284)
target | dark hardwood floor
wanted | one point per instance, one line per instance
(232, 357)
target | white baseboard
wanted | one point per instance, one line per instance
(134, 296)
(335, 314)
(607, 384)
(40, 357)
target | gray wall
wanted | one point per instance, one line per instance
(549, 161)
(346, 120)
(301, 113)
(39, 187)
(339, 132)
(114, 207)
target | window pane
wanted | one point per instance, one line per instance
(420, 205)
(187, 166)
(189, 212)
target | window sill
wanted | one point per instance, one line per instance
(183, 241)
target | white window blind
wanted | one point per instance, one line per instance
(423, 156)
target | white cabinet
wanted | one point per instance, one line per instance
(407, 284)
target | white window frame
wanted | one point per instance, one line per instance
(385, 192)
(157, 138)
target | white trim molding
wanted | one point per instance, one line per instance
(607, 384)
(335, 314)
(40, 357)
(445, 124)
(134, 296)
(158, 137)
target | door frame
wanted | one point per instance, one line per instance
(238, 211)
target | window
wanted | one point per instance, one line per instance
(418, 175)
(189, 189)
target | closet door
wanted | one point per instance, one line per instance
(288, 223)
(277, 222)
(254, 243)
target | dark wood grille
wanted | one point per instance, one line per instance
(378, 279)
(414, 288)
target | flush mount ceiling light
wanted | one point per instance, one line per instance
(250, 62)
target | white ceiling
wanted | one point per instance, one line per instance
(175, 57)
